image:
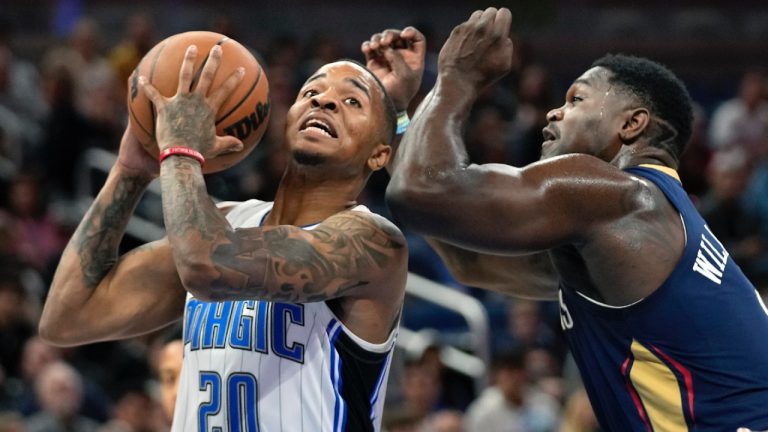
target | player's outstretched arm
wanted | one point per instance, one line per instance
(531, 276)
(494, 208)
(96, 295)
(396, 57)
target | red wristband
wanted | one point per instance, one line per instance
(182, 151)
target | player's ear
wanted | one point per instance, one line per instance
(379, 156)
(635, 122)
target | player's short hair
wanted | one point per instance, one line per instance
(390, 112)
(659, 90)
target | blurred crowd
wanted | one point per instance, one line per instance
(54, 108)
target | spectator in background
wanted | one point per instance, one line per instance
(400, 421)
(22, 105)
(15, 326)
(59, 389)
(693, 164)
(512, 403)
(38, 236)
(36, 356)
(20, 90)
(444, 421)
(723, 208)
(96, 91)
(543, 368)
(421, 391)
(169, 368)
(10, 150)
(743, 120)
(67, 133)
(132, 411)
(11, 421)
(579, 416)
(755, 200)
(457, 390)
(526, 329)
(139, 39)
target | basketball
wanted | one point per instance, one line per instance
(244, 114)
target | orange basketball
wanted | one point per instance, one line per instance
(244, 114)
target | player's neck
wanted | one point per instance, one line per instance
(631, 156)
(301, 200)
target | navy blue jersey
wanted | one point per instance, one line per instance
(693, 355)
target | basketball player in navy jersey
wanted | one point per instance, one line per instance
(290, 307)
(667, 332)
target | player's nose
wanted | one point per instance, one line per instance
(555, 115)
(324, 102)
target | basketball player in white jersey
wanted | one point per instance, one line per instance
(290, 308)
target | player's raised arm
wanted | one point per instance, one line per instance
(396, 57)
(96, 295)
(436, 191)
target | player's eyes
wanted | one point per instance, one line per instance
(309, 93)
(575, 99)
(354, 102)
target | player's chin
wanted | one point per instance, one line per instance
(308, 158)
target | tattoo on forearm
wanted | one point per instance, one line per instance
(279, 263)
(98, 237)
(330, 265)
(183, 195)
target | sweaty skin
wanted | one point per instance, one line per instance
(576, 205)
(667, 332)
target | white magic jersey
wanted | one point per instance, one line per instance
(255, 365)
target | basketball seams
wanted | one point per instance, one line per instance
(138, 122)
(237, 107)
(243, 99)
(199, 72)
(152, 111)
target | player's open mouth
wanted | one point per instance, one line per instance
(319, 126)
(548, 135)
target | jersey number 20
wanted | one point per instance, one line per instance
(241, 402)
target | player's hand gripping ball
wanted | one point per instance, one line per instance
(244, 114)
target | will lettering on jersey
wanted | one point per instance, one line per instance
(711, 257)
(249, 325)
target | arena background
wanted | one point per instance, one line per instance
(62, 73)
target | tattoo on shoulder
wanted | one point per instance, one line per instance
(330, 261)
(98, 237)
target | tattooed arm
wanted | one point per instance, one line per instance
(348, 254)
(97, 296)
